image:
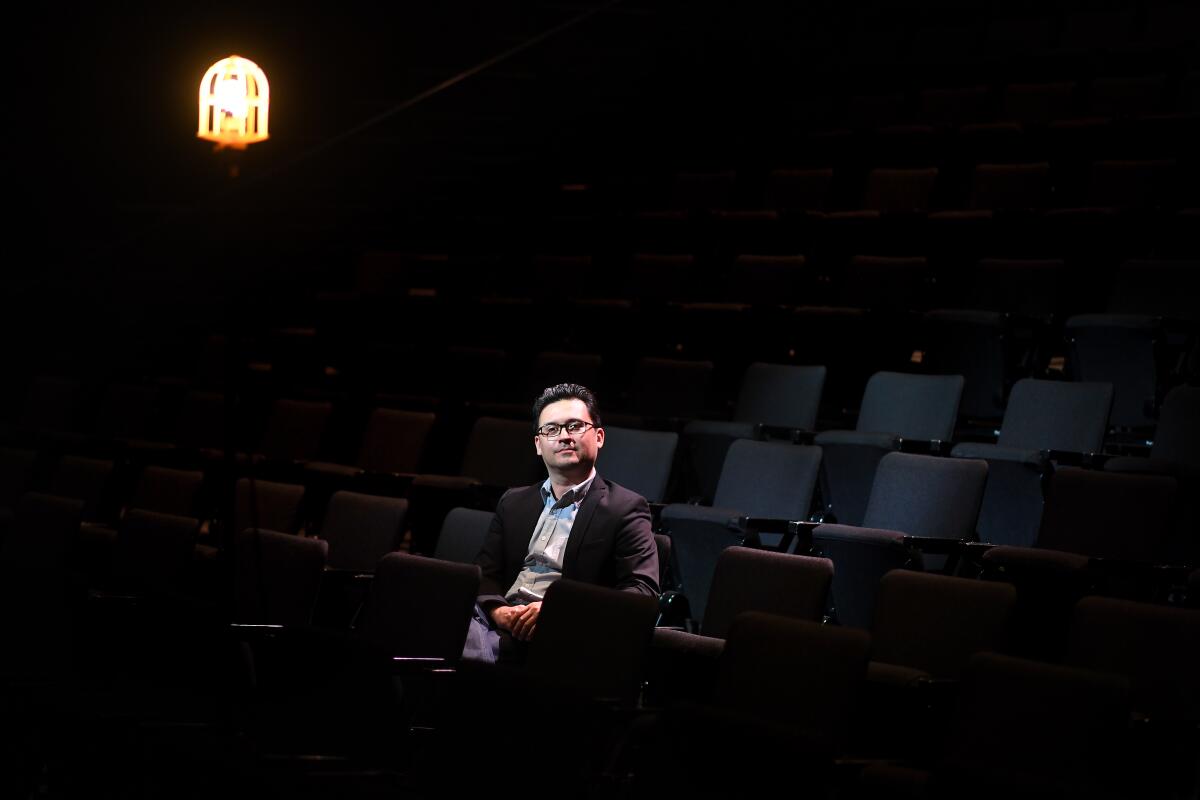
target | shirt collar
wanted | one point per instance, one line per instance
(573, 495)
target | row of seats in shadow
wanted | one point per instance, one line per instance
(1024, 678)
(1131, 515)
(1046, 424)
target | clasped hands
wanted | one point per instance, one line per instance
(518, 620)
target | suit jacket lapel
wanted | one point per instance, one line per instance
(583, 520)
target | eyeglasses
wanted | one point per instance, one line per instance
(571, 426)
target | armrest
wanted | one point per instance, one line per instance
(933, 544)
(796, 530)
(1068, 458)
(673, 611)
(926, 447)
(795, 435)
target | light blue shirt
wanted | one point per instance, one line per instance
(543, 564)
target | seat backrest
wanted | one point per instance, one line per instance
(168, 491)
(801, 189)
(935, 623)
(1011, 186)
(912, 406)
(462, 534)
(592, 639)
(421, 607)
(760, 580)
(1037, 723)
(1022, 286)
(500, 453)
(277, 577)
(1177, 437)
(768, 479)
(664, 387)
(87, 479)
(295, 429)
(780, 394)
(1110, 515)
(1056, 415)
(639, 460)
(794, 672)
(362, 528)
(1156, 647)
(552, 368)
(926, 495)
(394, 440)
(267, 504)
(886, 283)
(899, 190)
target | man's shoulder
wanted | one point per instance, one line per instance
(618, 495)
(522, 494)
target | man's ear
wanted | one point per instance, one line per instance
(537, 444)
(599, 438)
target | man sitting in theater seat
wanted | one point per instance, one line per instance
(575, 525)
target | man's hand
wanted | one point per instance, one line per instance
(505, 616)
(523, 626)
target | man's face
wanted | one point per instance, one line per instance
(568, 452)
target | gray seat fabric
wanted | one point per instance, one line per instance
(1056, 415)
(779, 395)
(420, 607)
(894, 406)
(1120, 349)
(699, 534)
(362, 528)
(769, 479)
(1176, 452)
(1041, 415)
(974, 344)
(462, 535)
(861, 557)
(639, 460)
(760, 479)
(927, 495)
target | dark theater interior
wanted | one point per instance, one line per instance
(890, 308)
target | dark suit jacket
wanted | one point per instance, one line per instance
(611, 543)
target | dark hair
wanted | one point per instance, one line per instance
(567, 391)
